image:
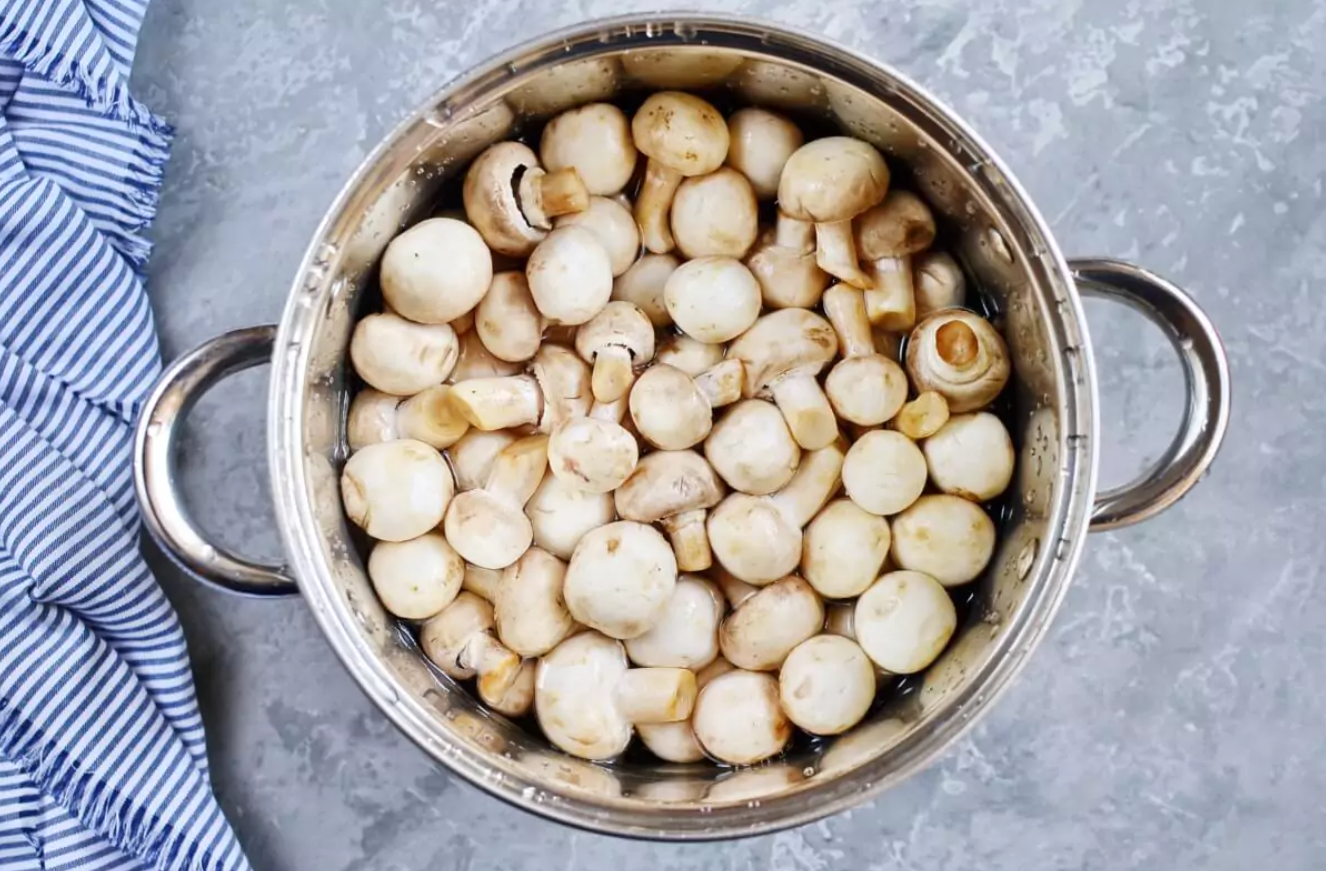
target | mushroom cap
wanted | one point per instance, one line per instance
(971, 456)
(401, 357)
(667, 483)
(531, 617)
(832, 179)
(444, 637)
(689, 355)
(518, 699)
(573, 696)
(739, 720)
(843, 549)
(752, 449)
(436, 271)
(396, 490)
(669, 409)
(565, 381)
(959, 355)
(371, 419)
(884, 472)
(937, 282)
(900, 225)
(476, 361)
(561, 513)
(826, 684)
(867, 390)
(947, 537)
(490, 198)
(682, 132)
(643, 283)
(715, 215)
(619, 324)
(713, 299)
(904, 621)
(686, 635)
(416, 579)
(507, 322)
(487, 530)
(570, 275)
(595, 141)
(472, 457)
(761, 632)
(615, 228)
(762, 141)
(595, 455)
(783, 342)
(752, 539)
(672, 742)
(620, 579)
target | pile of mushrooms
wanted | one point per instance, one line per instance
(637, 447)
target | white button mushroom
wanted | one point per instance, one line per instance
(783, 353)
(826, 685)
(666, 695)
(676, 742)
(739, 720)
(689, 355)
(561, 513)
(904, 621)
(762, 141)
(396, 490)
(712, 299)
(614, 226)
(784, 264)
(531, 616)
(959, 355)
(616, 340)
(761, 631)
(844, 549)
(682, 136)
(971, 456)
(416, 579)
(923, 416)
(715, 215)
(558, 391)
(758, 538)
(947, 537)
(570, 276)
(507, 321)
(937, 281)
(511, 200)
(472, 457)
(886, 237)
(592, 454)
(866, 391)
(488, 526)
(674, 411)
(752, 449)
(686, 636)
(595, 141)
(620, 579)
(643, 284)
(430, 417)
(518, 699)
(565, 382)
(436, 271)
(460, 642)
(830, 181)
(675, 487)
(401, 357)
(884, 472)
(371, 418)
(476, 361)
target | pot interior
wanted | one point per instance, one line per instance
(986, 222)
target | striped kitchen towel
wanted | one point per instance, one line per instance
(102, 761)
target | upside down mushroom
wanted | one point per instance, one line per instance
(616, 340)
(460, 642)
(959, 355)
(511, 200)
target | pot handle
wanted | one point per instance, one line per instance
(164, 514)
(1206, 381)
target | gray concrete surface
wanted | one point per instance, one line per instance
(1173, 718)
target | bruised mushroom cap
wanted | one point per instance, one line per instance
(620, 578)
(371, 419)
(712, 299)
(489, 527)
(667, 483)
(416, 579)
(971, 456)
(570, 276)
(904, 621)
(573, 696)
(884, 472)
(436, 271)
(683, 132)
(669, 409)
(561, 513)
(900, 225)
(615, 228)
(783, 342)
(615, 340)
(401, 357)
(844, 549)
(531, 616)
(739, 720)
(686, 635)
(762, 141)
(866, 391)
(643, 284)
(938, 282)
(826, 684)
(715, 215)
(832, 179)
(507, 321)
(593, 454)
(761, 632)
(959, 355)
(472, 457)
(751, 448)
(490, 198)
(396, 490)
(689, 355)
(595, 141)
(947, 537)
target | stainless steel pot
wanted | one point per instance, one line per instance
(1006, 247)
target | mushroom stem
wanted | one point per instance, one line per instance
(836, 253)
(431, 418)
(690, 542)
(484, 583)
(722, 384)
(546, 195)
(845, 307)
(806, 410)
(734, 589)
(497, 666)
(654, 204)
(498, 403)
(656, 695)
(923, 416)
(794, 234)
(612, 373)
(612, 412)
(956, 344)
(519, 469)
(891, 302)
(815, 482)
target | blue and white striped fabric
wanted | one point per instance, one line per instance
(102, 761)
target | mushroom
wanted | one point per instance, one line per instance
(830, 181)
(620, 579)
(416, 579)
(712, 299)
(959, 355)
(884, 472)
(570, 276)
(738, 719)
(947, 537)
(561, 513)
(472, 457)
(887, 236)
(459, 641)
(587, 698)
(643, 283)
(923, 416)
(488, 526)
(595, 141)
(763, 629)
(686, 635)
(971, 456)
(762, 141)
(531, 616)
(904, 621)
(784, 264)
(752, 449)
(559, 390)
(689, 355)
(844, 549)
(937, 282)
(675, 742)
(396, 490)
(435, 271)
(682, 136)
(617, 339)
(401, 357)
(430, 417)
(614, 226)
(371, 419)
(758, 538)
(476, 361)
(565, 382)
(675, 487)
(715, 215)
(845, 307)
(826, 684)
(783, 353)
(511, 200)
(674, 411)
(866, 391)
(484, 583)
(507, 321)
(592, 454)
(518, 700)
